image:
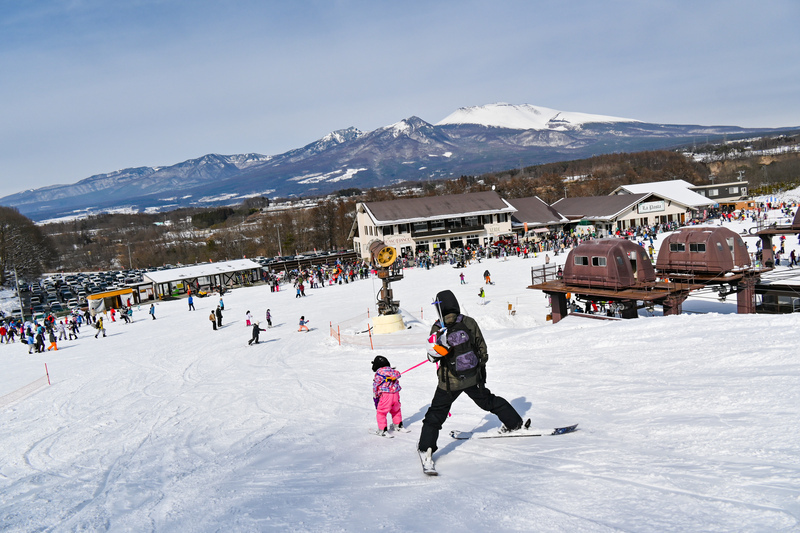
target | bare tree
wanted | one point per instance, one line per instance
(23, 246)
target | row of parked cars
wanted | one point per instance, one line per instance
(273, 261)
(63, 293)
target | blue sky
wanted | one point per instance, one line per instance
(91, 86)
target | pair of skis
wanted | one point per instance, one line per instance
(389, 432)
(429, 467)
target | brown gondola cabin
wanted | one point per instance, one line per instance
(610, 264)
(703, 250)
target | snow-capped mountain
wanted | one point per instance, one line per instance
(524, 117)
(470, 141)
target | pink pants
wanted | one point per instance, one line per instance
(389, 403)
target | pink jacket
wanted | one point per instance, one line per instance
(386, 380)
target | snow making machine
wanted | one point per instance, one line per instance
(389, 269)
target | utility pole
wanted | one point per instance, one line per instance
(280, 250)
(130, 261)
(19, 296)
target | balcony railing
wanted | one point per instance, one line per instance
(447, 231)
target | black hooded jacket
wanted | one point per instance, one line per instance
(448, 309)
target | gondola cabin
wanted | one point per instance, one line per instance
(703, 250)
(610, 264)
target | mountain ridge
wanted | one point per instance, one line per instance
(469, 141)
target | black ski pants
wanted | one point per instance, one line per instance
(443, 400)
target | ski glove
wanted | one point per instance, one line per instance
(434, 356)
(376, 399)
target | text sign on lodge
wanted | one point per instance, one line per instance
(651, 207)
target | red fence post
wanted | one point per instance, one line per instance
(48, 373)
(369, 330)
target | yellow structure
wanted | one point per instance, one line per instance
(388, 323)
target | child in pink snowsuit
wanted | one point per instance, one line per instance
(386, 393)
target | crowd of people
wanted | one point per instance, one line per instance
(36, 332)
(55, 329)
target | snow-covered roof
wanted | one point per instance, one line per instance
(199, 271)
(676, 190)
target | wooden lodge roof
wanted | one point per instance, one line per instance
(406, 210)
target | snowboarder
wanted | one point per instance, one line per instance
(303, 324)
(386, 394)
(256, 332)
(269, 319)
(482, 296)
(462, 368)
(487, 277)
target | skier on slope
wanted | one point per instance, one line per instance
(256, 332)
(386, 394)
(461, 353)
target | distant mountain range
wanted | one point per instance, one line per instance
(470, 141)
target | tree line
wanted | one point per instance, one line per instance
(259, 228)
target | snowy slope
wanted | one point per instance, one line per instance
(523, 117)
(688, 423)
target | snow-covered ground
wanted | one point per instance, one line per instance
(687, 423)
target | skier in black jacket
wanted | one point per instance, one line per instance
(256, 332)
(461, 369)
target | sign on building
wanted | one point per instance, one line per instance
(651, 207)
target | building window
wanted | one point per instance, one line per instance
(713, 192)
(599, 261)
(420, 226)
(582, 260)
(437, 225)
(402, 228)
(454, 223)
(502, 217)
(697, 247)
(734, 190)
(677, 247)
(387, 230)
(470, 221)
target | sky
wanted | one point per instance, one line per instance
(90, 87)
(686, 423)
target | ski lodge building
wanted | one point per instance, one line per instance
(629, 206)
(433, 222)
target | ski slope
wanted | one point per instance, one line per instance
(687, 423)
